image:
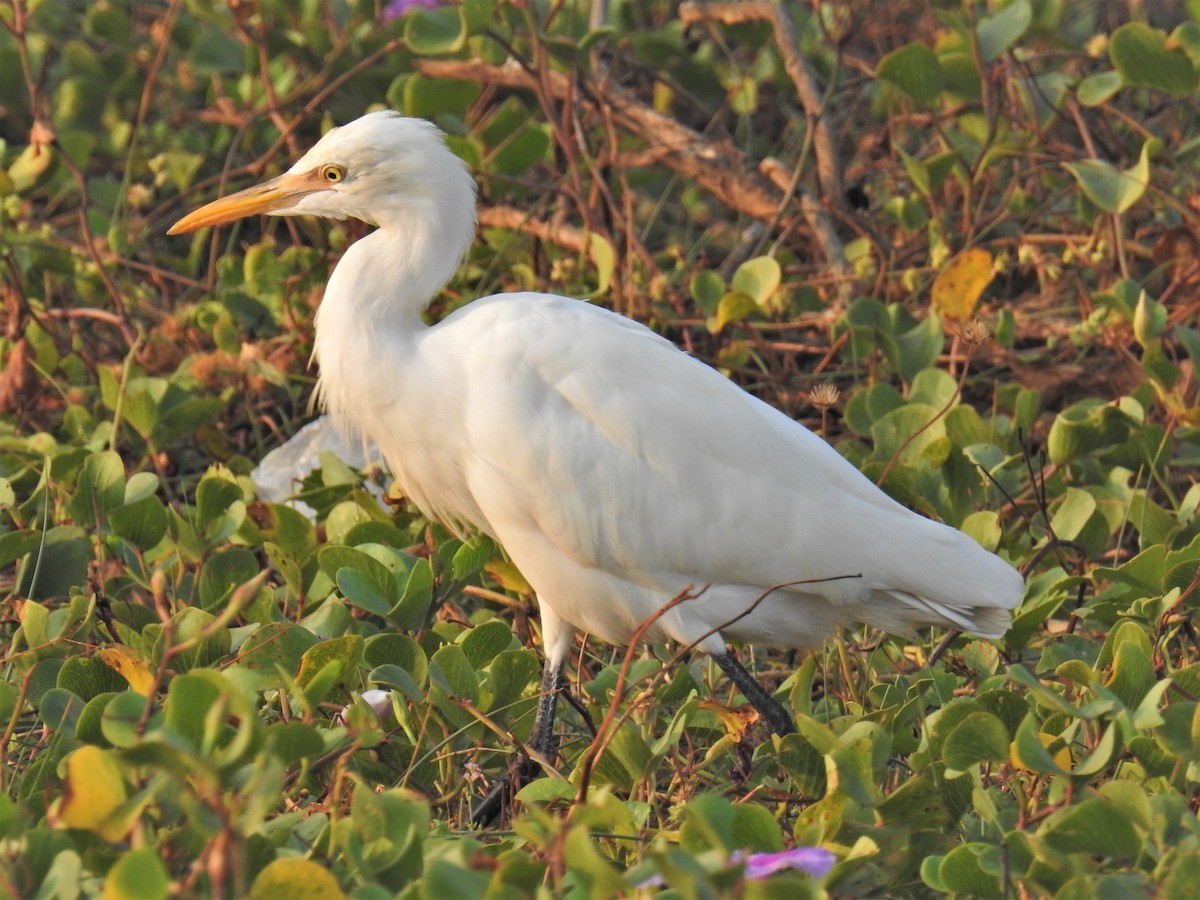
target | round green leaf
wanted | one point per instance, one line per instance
(297, 879)
(913, 69)
(1093, 827)
(1140, 53)
(120, 719)
(759, 278)
(433, 31)
(138, 875)
(996, 33)
(1098, 87)
(143, 523)
(483, 642)
(980, 737)
(1109, 188)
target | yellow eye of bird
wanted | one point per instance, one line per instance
(332, 174)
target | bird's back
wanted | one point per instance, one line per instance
(616, 470)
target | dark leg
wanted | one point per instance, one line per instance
(777, 717)
(543, 741)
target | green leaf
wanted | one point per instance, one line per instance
(918, 348)
(1073, 514)
(415, 598)
(363, 580)
(426, 98)
(205, 644)
(483, 642)
(143, 522)
(913, 69)
(450, 670)
(89, 725)
(521, 151)
(214, 497)
(980, 737)
(850, 770)
(916, 805)
(274, 651)
(119, 721)
(296, 878)
(1031, 751)
(1092, 827)
(604, 257)
(998, 32)
(397, 650)
(360, 589)
(757, 828)
(471, 557)
(88, 676)
(972, 870)
(15, 544)
(1099, 87)
(1140, 53)
(707, 288)
(59, 564)
(1149, 320)
(733, 307)
(435, 31)
(1112, 190)
(915, 432)
(99, 490)
(291, 742)
(223, 573)
(758, 278)
(346, 650)
(1085, 428)
(391, 827)
(216, 53)
(510, 674)
(138, 875)
(189, 699)
(868, 406)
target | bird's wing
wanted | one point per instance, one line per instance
(633, 458)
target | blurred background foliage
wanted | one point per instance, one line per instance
(960, 239)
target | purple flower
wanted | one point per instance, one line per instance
(397, 8)
(814, 860)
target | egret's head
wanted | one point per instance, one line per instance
(382, 168)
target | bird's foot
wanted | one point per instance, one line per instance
(499, 798)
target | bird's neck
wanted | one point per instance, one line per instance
(369, 319)
(369, 322)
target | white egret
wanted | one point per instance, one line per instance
(614, 469)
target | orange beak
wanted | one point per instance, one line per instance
(278, 193)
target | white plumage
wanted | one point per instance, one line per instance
(614, 469)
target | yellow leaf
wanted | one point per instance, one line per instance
(508, 576)
(1062, 756)
(957, 288)
(297, 879)
(736, 720)
(130, 667)
(93, 790)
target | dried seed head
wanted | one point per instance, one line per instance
(975, 332)
(823, 395)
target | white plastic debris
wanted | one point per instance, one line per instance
(277, 478)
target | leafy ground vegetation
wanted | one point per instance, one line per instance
(958, 238)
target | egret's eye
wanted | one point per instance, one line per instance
(331, 174)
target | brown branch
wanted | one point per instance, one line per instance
(804, 79)
(513, 219)
(742, 183)
(718, 166)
